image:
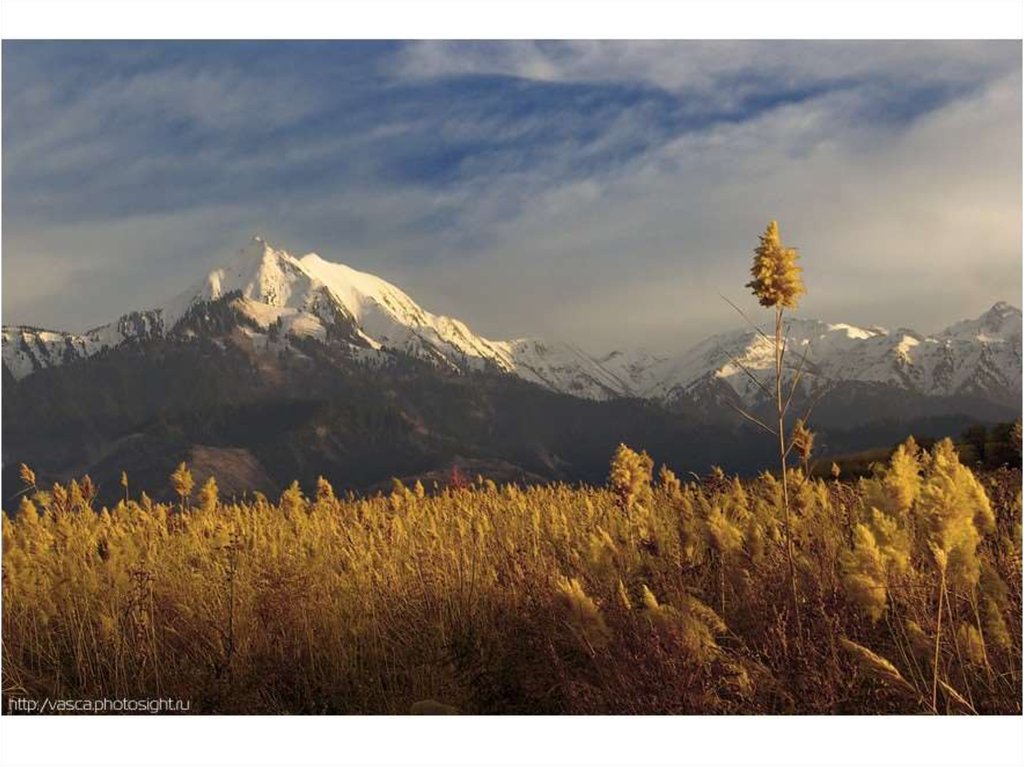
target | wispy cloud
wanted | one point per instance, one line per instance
(746, 69)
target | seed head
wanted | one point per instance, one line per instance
(181, 480)
(27, 475)
(777, 280)
(803, 440)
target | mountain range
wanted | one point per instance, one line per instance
(310, 297)
(276, 367)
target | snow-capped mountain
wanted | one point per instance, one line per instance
(306, 296)
(27, 349)
(980, 357)
(309, 296)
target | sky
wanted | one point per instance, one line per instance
(605, 193)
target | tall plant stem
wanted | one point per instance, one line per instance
(781, 413)
(938, 635)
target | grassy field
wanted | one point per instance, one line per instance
(644, 596)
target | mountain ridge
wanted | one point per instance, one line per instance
(311, 297)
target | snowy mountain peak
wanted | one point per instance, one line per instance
(273, 285)
(260, 272)
(1000, 323)
(978, 357)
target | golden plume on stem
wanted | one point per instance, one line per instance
(777, 281)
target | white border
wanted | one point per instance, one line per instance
(468, 19)
(471, 742)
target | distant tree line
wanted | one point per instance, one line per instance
(992, 447)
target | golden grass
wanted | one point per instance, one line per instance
(635, 598)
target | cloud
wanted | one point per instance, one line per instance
(599, 192)
(889, 221)
(703, 67)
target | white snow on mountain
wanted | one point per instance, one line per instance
(979, 357)
(305, 296)
(27, 349)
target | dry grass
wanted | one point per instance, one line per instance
(636, 598)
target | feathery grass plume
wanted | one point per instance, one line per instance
(802, 441)
(969, 639)
(777, 280)
(292, 500)
(692, 624)
(630, 477)
(903, 477)
(661, 616)
(995, 607)
(400, 494)
(77, 500)
(735, 502)
(921, 644)
(894, 486)
(882, 542)
(602, 555)
(182, 483)
(27, 475)
(88, 491)
(208, 495)
(582, 613)
(835, 470)
(893, 540)
(59, 498)
(958, 701)
(753, 541)
(995, 626)
(727, 540)
(707, 616)
(951, 506)
(324, 491)
(726, 537)
(669, 482)
(27, 511)
(879, 668)
(864, 574)
(623, 596)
